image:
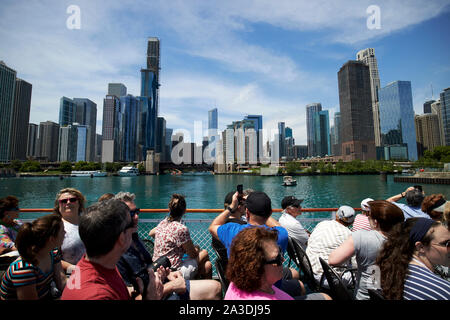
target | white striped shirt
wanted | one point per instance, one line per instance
(422, 284)
(326, 236)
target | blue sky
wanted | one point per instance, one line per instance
(243, 57)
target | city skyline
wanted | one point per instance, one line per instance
(268, 64)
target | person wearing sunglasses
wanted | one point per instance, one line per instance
(69, 204)
(407, 258)
(106, 230)
(137, 257)
(255, 265)
(9, 224)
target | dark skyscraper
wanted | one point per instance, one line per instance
(20, 120)
(355, 102)
(7, 86)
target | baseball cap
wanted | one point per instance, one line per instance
(346, 214)
(290, 201)
(365, 204)
(259, 203)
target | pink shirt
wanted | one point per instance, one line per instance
(233, 293)
(361, 223)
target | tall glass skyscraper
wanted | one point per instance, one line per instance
(322, 133)
(130, 107)
(445, 112)
(7, 87)
(311, 109)
(67, 111)
(398, 134)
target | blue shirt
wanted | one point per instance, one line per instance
(411, 212)
(228, 231)
(422, 284)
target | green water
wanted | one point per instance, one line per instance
(208, 191)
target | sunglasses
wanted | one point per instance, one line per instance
(278, 260)
(134, 212)
(71, 200)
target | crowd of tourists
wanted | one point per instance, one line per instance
(398, 249)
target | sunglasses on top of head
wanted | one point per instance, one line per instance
(71, 200)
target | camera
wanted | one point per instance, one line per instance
(240, 190)
(418, 187)
(143, 273)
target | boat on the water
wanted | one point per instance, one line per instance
(289, 181)
(128, 171)
(88, 173)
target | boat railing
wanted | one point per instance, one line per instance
(198, 226)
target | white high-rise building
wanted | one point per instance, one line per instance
(368, 57)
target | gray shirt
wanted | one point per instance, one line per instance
(367, 245)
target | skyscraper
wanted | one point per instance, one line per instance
(20, 120)
(7, 87)
(427, 106)
(445, 111)
(437, 109)
(117, 89)
(32, 144)
(281, 139)
(112, 123)
(67, 111)
(398, 134)
(336, 144)
(322, 133)
(48, 141)
(427, 132)
(258, 124)
(212, 119)
(355, 101)
(368, 57)
(86, 114)
(310, 131)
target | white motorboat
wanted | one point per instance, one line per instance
(128, 171)
(289, 181)
(88, 173)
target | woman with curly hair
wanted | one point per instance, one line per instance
(407, 258)
(70, 204)
(255, 265)
(433, 205)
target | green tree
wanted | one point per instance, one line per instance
(65, 166)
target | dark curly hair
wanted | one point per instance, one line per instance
(7, 204)
(395, 256)
(429, 202)
(245, 267)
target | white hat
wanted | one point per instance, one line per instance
(346, 214)
(365, 204)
